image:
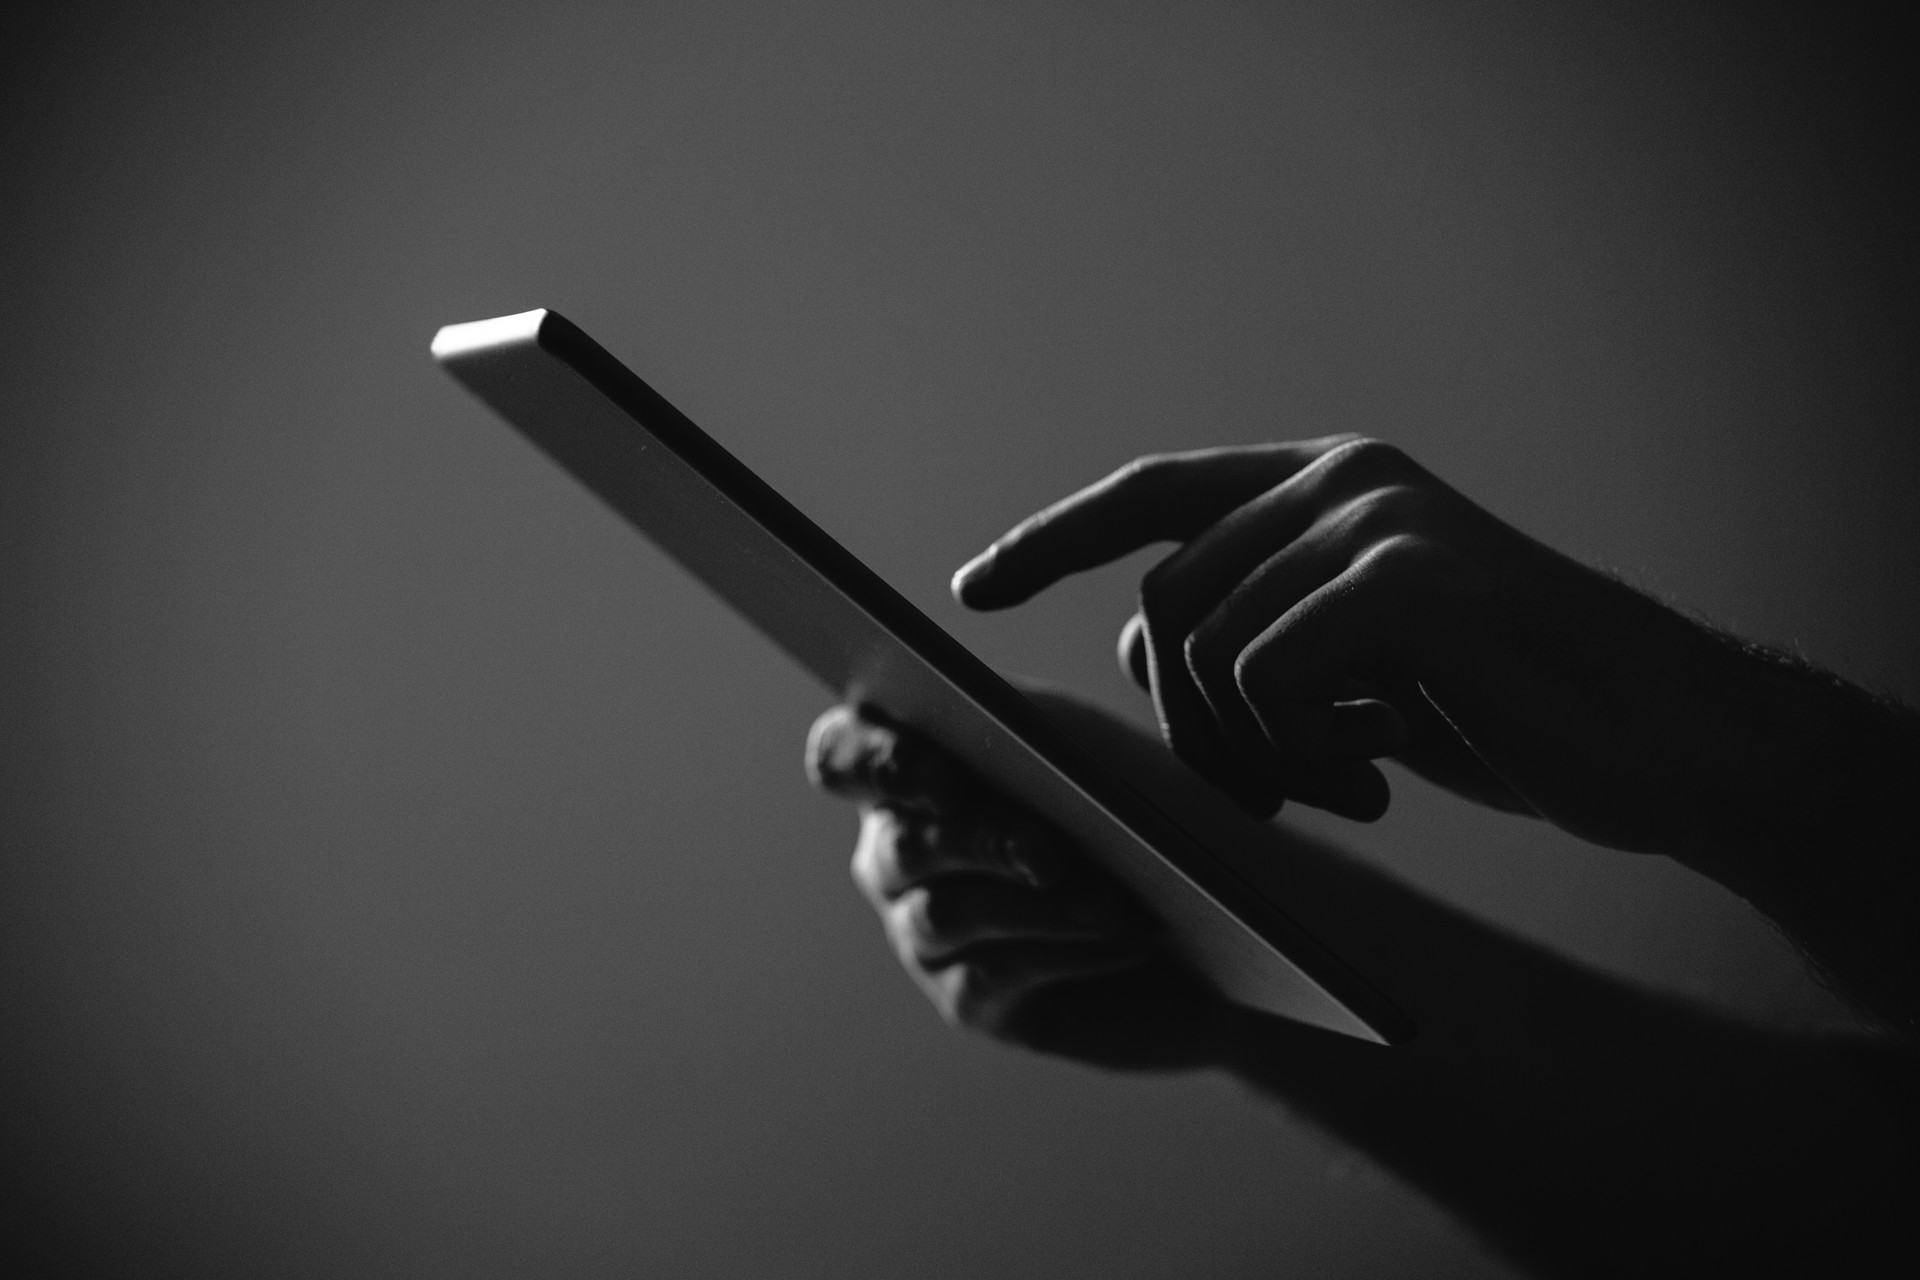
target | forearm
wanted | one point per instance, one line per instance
(1635, 726)
(1580, 1125)
(1824, 836)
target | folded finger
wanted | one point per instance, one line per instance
(1356, 790)
(1191, 637)
(1360, 485)
(899, 850)
(936, 922)
(1220, 643)
(1185, 724)
(1190, 729)
(1291, 674)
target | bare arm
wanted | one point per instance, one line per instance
(1331, 602)
(1581, 1126)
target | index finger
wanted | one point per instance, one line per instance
(1161, 498)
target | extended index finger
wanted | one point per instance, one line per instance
(1166, 497)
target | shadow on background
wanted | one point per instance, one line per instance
(408, 872)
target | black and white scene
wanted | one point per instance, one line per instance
(748, 640)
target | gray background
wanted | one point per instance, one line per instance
(408, 872)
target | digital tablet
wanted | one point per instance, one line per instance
(870, 647)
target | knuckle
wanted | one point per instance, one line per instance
(906, 927)
(941, 920)
(1403, 554)
(935, 922)
(916, 910)
(877, 861)
(1253, 667)
(1143, 472)
(864, 867)
(952, 993)
(1387, 510)
(1368, 459)
(1208, 652)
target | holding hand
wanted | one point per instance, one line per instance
(996, 917)
(1332, 603)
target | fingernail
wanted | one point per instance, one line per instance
(971, 572)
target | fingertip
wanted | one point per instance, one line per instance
(1357, 791)
(1255, 792)
(1132, 652)
(1370, 802)
(1260, 798)
(1006, 574)
(970, 580)
(1262, 806)
(1361, 729)
(1369, 796)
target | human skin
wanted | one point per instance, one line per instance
(1330, 603)
(1579, 1125)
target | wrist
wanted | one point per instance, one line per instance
(1807, 755)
